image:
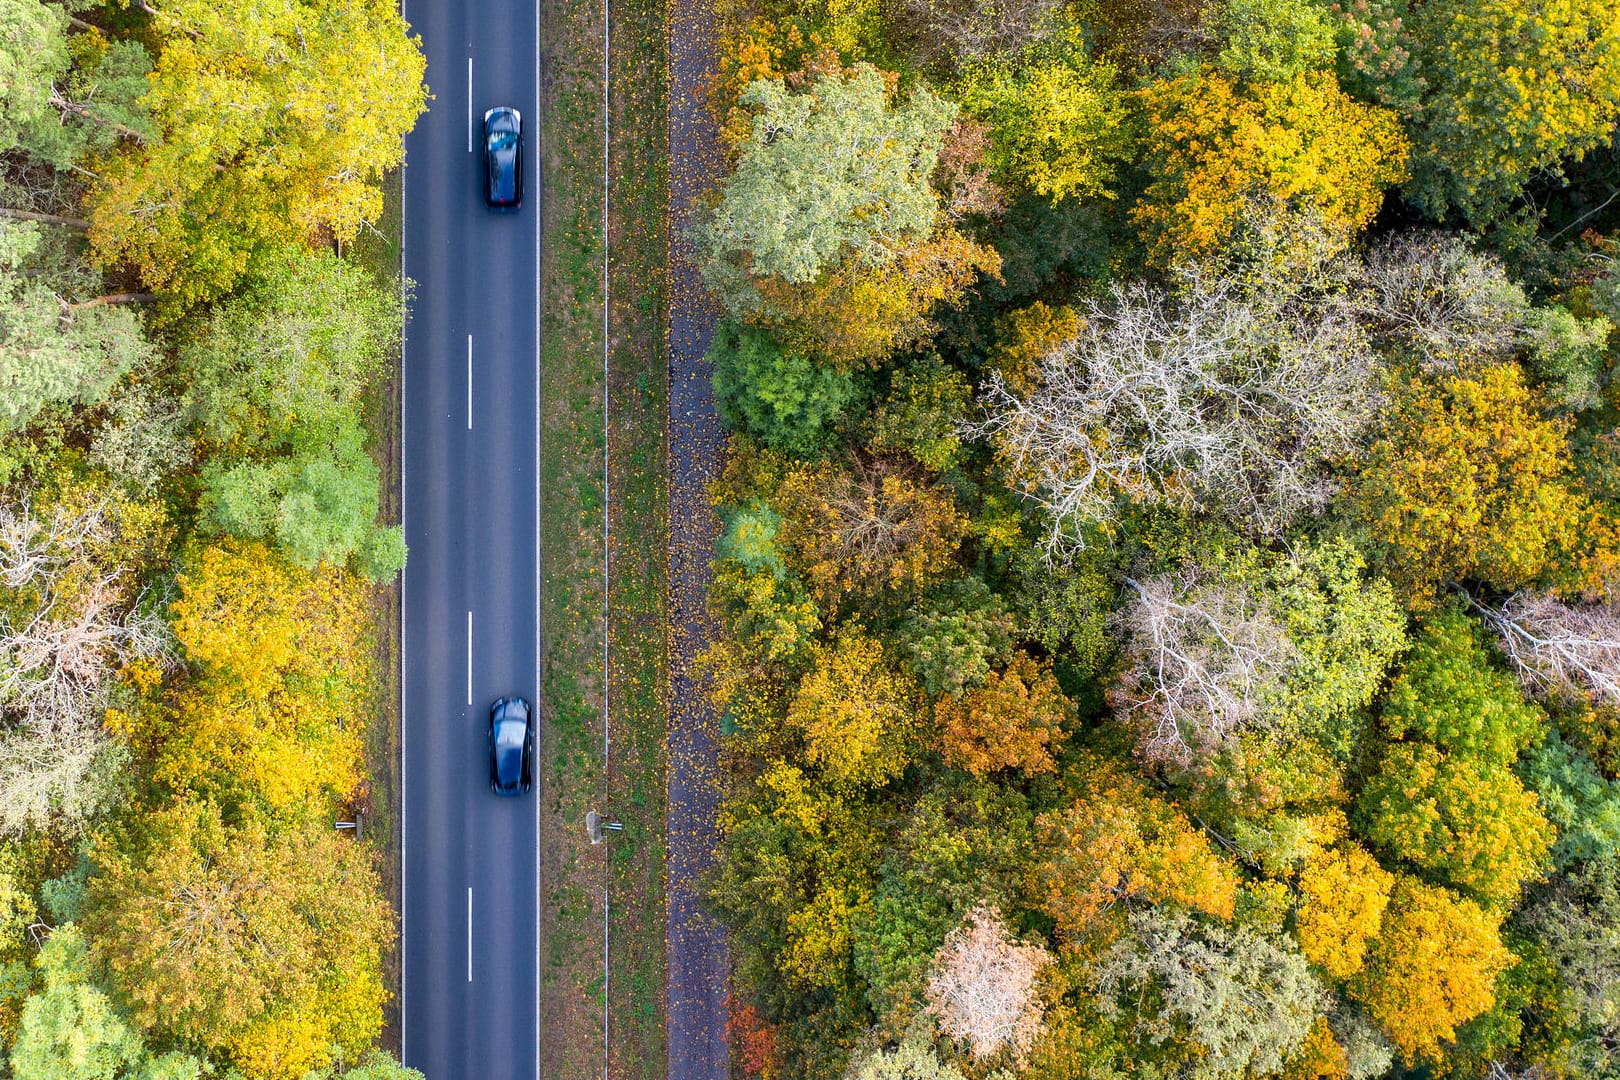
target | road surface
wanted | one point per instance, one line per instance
(470, 946)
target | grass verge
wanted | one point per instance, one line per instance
(572, 497)
(380, 251)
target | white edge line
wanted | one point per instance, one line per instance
(469, 933)
(469, 105)
(469, 385)
(404, 809)
(469, 658)
(539, 578)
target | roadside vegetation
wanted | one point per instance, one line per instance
(629, 865)
(1170, 538)
(192, 556)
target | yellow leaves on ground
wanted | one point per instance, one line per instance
(1214, 144)
(1432, 967)
(1343, 894)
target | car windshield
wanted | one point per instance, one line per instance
(509, 734)
(502, 140)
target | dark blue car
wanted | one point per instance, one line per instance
(503, 158)
(511, 746)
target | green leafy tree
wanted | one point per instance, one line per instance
(33, 54)
(835, 171)
(783, 398)
(1449, 693)
(922, 413)
(1511, 88)
(1245, 999)
(277, 378)
(326, 91)
(1467, 819)
(303, 342)
(71, 1030)
(1059, 125)
(1577, 920)
(1274, 40)
(53, 349)
(1582, 805)
(955, 641)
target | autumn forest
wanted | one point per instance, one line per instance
(1169, 538)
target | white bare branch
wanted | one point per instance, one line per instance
(1217, 395)
(1200, 661)
(983, 990)
(1561, 651)
(1447, 302)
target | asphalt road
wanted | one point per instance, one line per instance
(470, 1007)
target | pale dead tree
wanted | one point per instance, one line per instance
(1445, 301)
(71, 623)
(1567, 652)
(34, 549)
(1200, 661)
(1216, 395)
(982, 990)
(949, 35)
(54, 665)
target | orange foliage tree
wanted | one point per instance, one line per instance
(1432, 967)
(873, 530)
(1121, 841)
(1010, 722)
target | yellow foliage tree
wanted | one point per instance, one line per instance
(1010, 722)
(275, 124)
(854, 711)
(282, 670)
(1121, 841)
(1468, 481)
(1343, 894)
(1432, 967)
(856, 314)
(1214, 144)
(264, 946)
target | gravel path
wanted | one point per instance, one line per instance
(697, 951)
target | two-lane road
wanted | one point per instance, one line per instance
(471, 621)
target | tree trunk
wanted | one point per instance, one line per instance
(116, 298)
(49, 219)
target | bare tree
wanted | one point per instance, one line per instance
(948, 35)
(1200, 660)
(1558, 650)
(72, 623)
(1221, 395)
(983, 988)
(1448, 303)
